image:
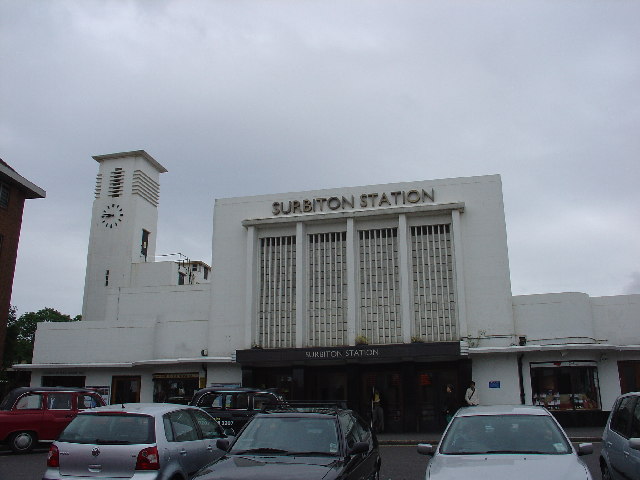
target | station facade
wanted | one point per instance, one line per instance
(330, 294)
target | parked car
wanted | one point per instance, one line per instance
(321, 443)
(150, 441)
(505, 442)
(29, 415)
(233, 407)
(620, 454)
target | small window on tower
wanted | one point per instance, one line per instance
(145, 243)
(106, 278)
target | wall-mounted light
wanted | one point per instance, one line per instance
(204, 352)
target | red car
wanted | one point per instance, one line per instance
(29, 415)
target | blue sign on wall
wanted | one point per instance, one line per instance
(494, 384)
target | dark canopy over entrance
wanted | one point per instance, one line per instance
(410, 379)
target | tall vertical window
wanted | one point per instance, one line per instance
(4, 195)
(434, 305)
(106, 278)
(380, 311)
(276, 326)
(327, 280)
(144, 246)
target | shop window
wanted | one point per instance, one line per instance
(126, 389)
(76, 381)
(629, 373)
(175, 387)
(565, 385)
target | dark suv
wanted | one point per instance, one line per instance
(38, 414)
(233, 407)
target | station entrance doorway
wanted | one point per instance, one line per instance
(411, 394)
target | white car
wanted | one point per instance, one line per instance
(515, 442)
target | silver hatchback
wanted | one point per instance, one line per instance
(505, 442)
(139, 441)
(620, 454)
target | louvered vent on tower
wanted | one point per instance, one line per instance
(98, 185)
(144, 186)
(116, 182)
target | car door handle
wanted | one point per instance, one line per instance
(183, 452)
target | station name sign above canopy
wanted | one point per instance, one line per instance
(418, 351)
(365, 200)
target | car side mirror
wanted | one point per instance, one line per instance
(634, 443)
(359, 447)
(585, 449)
(223, 444)
(425, 449)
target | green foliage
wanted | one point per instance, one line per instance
(21, 333)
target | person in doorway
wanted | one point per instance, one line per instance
(471, 395)
(450, 403)
(377, 414)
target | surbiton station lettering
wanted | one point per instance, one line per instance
(348, 353)
(366, 200)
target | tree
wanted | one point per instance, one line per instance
(21, 333)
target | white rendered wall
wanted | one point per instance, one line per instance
(496, 368)
(484, 254)
(115, 249)
(617, 319)
(115, 342)
(554, 318)
(152, 274)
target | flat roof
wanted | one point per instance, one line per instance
(133, 153)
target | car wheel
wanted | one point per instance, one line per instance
(606, 474)
(22, 442)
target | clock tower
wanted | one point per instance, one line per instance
(124, 223)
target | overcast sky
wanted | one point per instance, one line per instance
(252, 97)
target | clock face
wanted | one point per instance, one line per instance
(112, 215)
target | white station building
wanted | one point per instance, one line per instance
(329, 294)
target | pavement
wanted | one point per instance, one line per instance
(575, 434)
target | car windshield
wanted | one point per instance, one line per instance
(288, 436)
(110, 429)
(504, 434)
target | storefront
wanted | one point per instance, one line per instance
(175, 387)
(410, 378)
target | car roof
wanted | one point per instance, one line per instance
(20, 390)
(140, 408)
(502, 410)
(281, 414)
(235, 390)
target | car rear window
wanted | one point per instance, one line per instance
(110, 429)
